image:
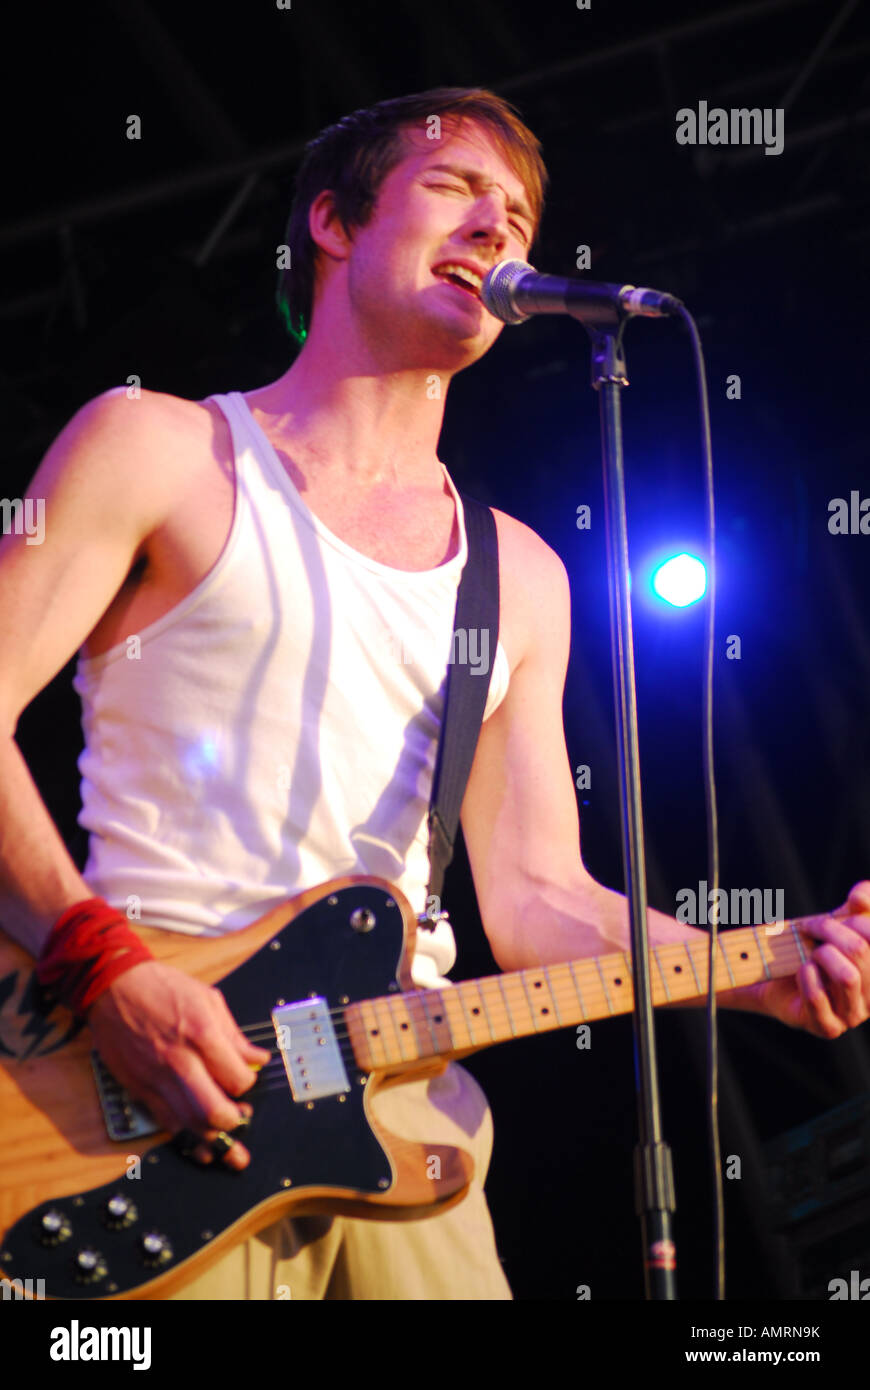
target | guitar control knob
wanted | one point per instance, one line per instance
(89, 1266)
(156, 1249)
(54, 1228)
(120, 1212)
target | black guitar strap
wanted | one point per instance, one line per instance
(475, 633)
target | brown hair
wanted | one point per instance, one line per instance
(354, 156)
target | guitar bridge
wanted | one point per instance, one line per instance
(124, 1117)
(309, 1049)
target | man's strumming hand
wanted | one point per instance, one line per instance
(172, 1041)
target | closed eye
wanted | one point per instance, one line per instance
(518, 227)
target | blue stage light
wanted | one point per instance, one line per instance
(681, 580)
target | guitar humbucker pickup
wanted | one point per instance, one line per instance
(309, 1049)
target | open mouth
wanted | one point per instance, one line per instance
(460, 276)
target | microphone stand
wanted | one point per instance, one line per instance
(654, 1181)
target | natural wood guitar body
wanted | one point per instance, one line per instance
(55, 1142)
(324, 981)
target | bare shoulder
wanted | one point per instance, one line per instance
(135, 411)
(108, 486)
(535, 595)
(521, 545)
(115, 428)
(147, 451)
(167, 426)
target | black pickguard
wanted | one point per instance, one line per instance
(329, 1144)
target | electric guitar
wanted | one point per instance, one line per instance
(324, 982)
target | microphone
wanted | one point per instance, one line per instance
(514, 290)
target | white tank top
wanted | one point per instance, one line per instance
(278, 727)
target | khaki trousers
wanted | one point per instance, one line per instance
(451, 1256)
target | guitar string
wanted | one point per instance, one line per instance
(517, 986)
(338, 1012)
(265, 1028)
(274, 1069)
(272, 1075)
(265, 1031)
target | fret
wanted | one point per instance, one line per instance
(604, 983)
(746, 962)
(724, 956)
(424, 1000)
(426, 1045)
(503, 1026)
(457, 1018)
(469, 1026)
(542, 1018)
(662, 976)
(522, 1013)
(761, 953)
(373, 1034)
(532, 1011)
(432, 1001)
(800, 945)
(384, 1015)
(577, 990)
(559, 1020)
(676, 952)
(691, 954)
(628, 1002)
(472, 987)
(507, 1007)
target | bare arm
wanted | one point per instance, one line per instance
(106, 483)
(38, 879)
(538, 902)
(51, 596)
(519, 815)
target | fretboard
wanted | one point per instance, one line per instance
(399, 1028)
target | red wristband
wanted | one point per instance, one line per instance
(91, 944)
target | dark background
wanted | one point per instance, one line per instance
(157, 257)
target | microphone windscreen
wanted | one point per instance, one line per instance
(496, 290)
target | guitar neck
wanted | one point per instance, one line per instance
(395, 1029)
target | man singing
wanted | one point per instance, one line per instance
(238, 575)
